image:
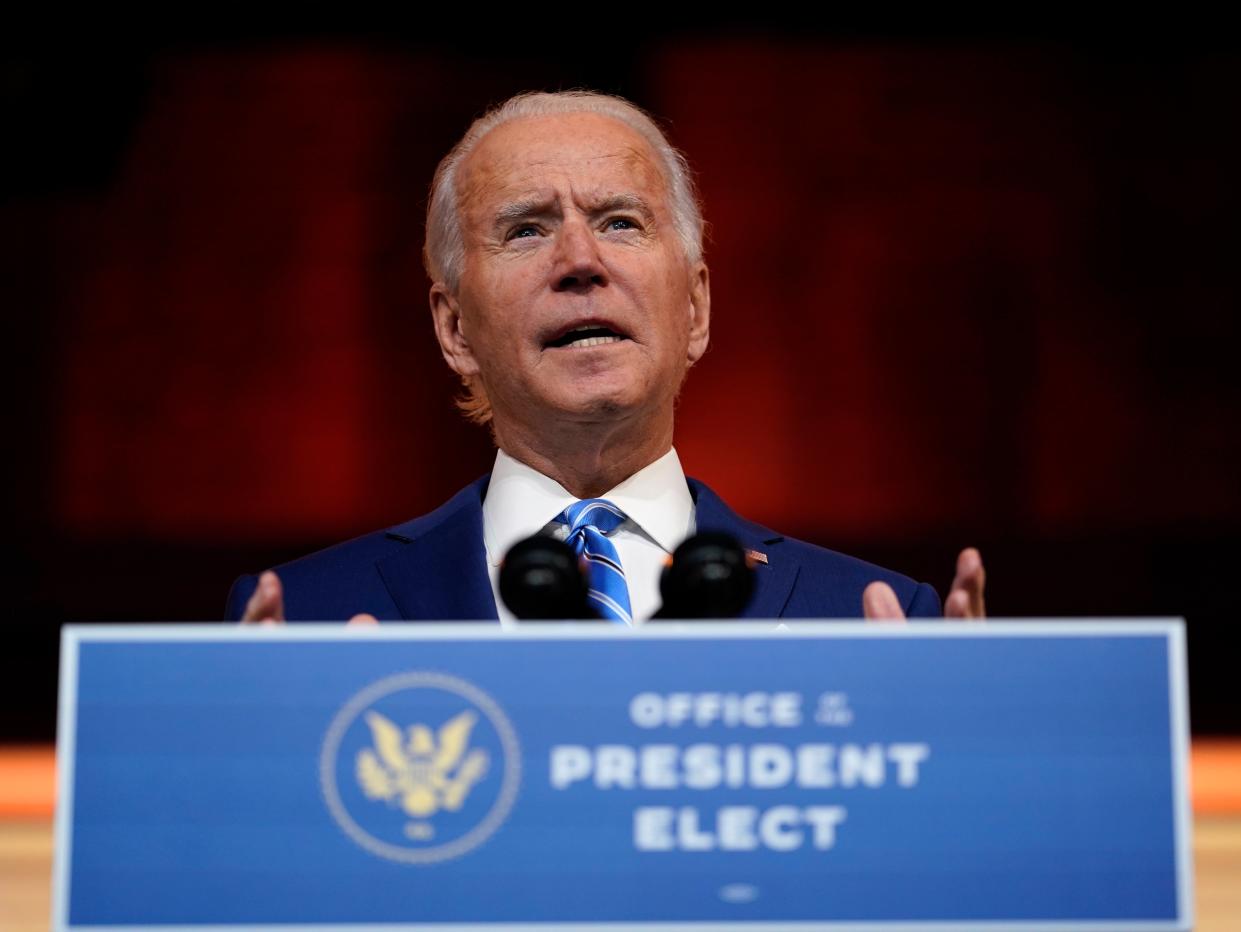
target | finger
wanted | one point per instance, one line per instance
(879, 603)
(266, 605)
(255, 607)
(362, 618)
(965, 600)
(957, 605)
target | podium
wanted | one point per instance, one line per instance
(937, 775)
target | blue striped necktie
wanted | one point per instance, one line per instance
(590, 521)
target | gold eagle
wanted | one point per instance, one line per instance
(424, 773)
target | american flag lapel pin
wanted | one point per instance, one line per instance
(753, 556)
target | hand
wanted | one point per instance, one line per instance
(266, 606)
(965, 600)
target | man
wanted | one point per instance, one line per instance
(564, 243)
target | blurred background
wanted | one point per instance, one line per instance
(974, 286)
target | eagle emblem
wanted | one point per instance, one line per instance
(420, 771)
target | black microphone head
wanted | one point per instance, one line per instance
(709, 577)
(542, 578)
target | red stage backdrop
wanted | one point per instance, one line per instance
(953, 289)
(964, 293)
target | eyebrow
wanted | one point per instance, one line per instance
(625, 204)
(630, 202)
(522, 210)
(529, 208)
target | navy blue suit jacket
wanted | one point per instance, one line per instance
(434, 568)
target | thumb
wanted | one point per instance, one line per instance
(879, 603)
(266, 605)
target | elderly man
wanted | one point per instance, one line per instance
(564, 243)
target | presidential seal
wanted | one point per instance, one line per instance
(420, 767)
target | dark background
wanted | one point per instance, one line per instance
(971, 286)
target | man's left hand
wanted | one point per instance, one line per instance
(965, 599)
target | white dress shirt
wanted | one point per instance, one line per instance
(521, 502)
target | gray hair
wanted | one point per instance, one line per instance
(444, 252)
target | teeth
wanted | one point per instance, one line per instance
(595, 341)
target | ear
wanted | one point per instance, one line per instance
(446, 312)
(699, 312)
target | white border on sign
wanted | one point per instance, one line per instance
(66, 745)
(1172, 629)
(562, 630)
(1182, 818)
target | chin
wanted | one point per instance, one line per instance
(603, 408)
(598, 394)
(598, 403)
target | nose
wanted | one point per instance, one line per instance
(578, 265)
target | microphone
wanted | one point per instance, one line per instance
(542, 578)
(709, 577)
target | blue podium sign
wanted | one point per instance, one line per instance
(1012, 775)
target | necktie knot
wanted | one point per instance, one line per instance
(598, 513)
(590, 521)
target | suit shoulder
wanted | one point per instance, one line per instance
(369, 548)
(714, 514)
(343, 579)
(828, 584)
(825, 573)
(824, 560)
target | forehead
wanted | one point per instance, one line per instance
(587, 153)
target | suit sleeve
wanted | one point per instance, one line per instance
(924, 603)
(238, 596)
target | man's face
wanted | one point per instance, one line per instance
(576, 301)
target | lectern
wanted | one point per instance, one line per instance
(1023, 775)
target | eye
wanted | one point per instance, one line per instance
(525, 231)
(621, 223)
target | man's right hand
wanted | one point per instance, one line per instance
(266, 605)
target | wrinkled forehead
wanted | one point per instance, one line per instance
(589, 154)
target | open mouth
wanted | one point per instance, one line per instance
(587, 335)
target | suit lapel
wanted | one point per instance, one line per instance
(441, 572)
(774, 580)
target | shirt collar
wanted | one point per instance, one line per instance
(521, 501)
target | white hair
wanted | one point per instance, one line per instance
(444, 252)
